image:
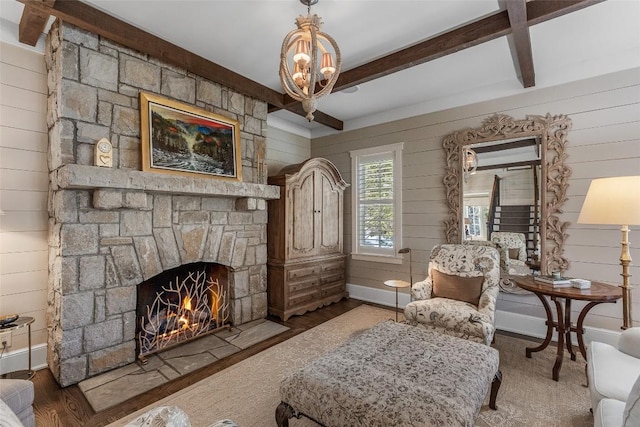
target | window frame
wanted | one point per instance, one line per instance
(358, 252)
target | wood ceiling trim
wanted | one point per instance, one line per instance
(472, 34)
(100, 23)
(33, 22)
(517, 11)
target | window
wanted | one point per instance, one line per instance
(476, 227)
(376, 202)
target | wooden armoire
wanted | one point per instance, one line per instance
(306, 266)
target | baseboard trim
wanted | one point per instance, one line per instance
(505, 321)
(19, 359)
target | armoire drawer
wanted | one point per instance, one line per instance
(334, 288)
(296, 300)
(331, 277)
(294, 273)
(302, 285)
(333, 266)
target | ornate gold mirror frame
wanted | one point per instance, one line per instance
(552, 131)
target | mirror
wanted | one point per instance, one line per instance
(501, 201)
(548, 134)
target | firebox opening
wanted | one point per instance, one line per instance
(181, 304)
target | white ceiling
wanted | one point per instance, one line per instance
(245, 36)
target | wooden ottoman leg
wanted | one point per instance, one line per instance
(495, 386)
(283, 412)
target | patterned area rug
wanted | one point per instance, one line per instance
(247, 392)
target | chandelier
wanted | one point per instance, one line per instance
(469, 162)
(307, 66)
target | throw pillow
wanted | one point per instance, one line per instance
(514, 253)
(631, 415)
(467, 289)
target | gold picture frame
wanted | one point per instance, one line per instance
(181, 139)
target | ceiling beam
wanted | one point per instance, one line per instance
(90, 19)
(318, 116)
(472, 34)
(517, 11)
(33, 22)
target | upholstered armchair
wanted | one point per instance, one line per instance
(459, 295)
(513, 252)
(614, 380)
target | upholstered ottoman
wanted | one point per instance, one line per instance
(394, 375)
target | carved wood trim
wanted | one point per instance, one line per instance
(552, 131)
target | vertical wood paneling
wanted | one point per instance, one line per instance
(23, 189)
(603, 142)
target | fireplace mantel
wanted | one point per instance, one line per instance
(73, 176)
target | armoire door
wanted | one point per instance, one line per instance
(301, 217)
(328, 214)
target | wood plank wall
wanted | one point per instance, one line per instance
(23, 190)
(605, 141)
(284, 148)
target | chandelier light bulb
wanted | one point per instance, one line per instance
(298, 75)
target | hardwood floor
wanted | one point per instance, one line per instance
(66, 407)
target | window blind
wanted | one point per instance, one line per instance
(376, 201)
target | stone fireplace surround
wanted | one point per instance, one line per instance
(112, 228)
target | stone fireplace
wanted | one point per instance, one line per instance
(111, 229)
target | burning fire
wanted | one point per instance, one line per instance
(186, 306)
(192, 312)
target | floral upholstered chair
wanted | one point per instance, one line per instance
(513, 252)
(459, 295)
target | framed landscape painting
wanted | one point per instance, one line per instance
(182, 139)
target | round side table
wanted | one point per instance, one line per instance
(397, 284)
(21, 322)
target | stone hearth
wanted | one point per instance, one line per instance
(119, 385)
(112, 228)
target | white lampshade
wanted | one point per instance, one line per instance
(612, 201)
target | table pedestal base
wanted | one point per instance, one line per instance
(564, 327)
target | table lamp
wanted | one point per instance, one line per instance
(615, 201)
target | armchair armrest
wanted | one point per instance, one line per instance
(629, 342)
(422, 290)
(487, 303)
